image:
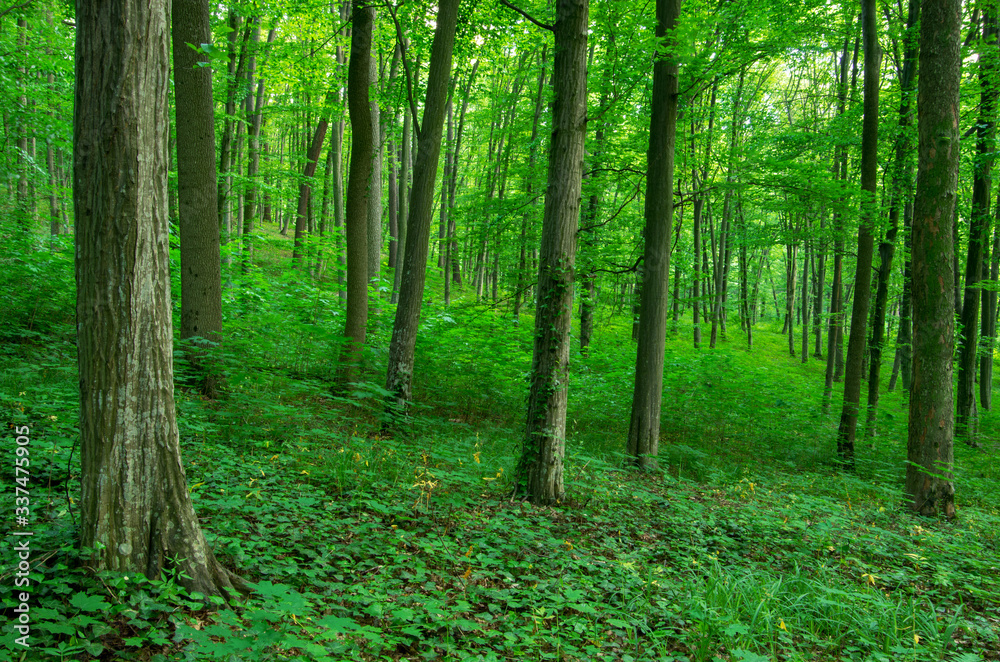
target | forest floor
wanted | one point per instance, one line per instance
(751, 544)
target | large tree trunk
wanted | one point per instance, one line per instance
(901, 175)
(644, 428)
(136, 512)
(358, 83)
(930, 451)
(399, 377)
(866, 241)
(979, 233)
(201, 270)
(540, 469)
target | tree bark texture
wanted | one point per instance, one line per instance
(136, 512)
(201, 267)
(854, 367)
(644, 427)
(540, 470)
(399, 377)
(930, 452)
(356, 213)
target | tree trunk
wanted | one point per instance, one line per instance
(201, 270)
(236, 64)
(866, 242)
(930, 450)
(356, 220)
(136, 512)
(989, 326)
(375, 186)
(404, 176)
(979, 233)
(589, 277)
(522, 264)
(448, 222)
(644, 428)
(399, 377)
(900, 188)
(540, 469)
(805, 296)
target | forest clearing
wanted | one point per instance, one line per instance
(497, 330)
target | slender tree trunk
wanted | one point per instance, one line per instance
(589, 277)
(375, 186)
(791, 253)
(237, 60)
(644, 427)
(900, 188)
(399, 378)
(979, 233)
(540, 469)
(448, 221)
(456, 268)
(866, 242)
(356, 218)
(136, 511)
(989, 326)
(201, 270)
(522, 266)
(255, 120)
(404, 176)
(930, 453)
(805, 296)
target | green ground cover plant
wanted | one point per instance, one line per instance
(751, 544)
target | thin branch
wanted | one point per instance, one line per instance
(406, 68)
(634, 195)
(544, 26)
(4, 12)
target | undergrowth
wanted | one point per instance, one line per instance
(751, 544)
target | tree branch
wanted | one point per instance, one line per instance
(544, 26)
(4, 12)
(406, 68)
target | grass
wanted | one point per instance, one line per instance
(751, 544)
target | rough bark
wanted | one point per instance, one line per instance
(201, 268)
(356, 217)
(854, 366)
(136, 512)
(644, 427)
(540, 469)
(930, 452)
(399, 377)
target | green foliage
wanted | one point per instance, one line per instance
(748, 546)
